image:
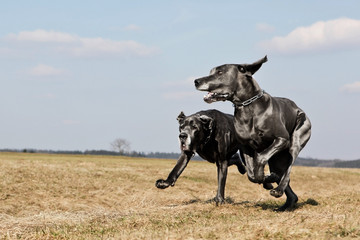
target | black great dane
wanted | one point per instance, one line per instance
(212, 135)
(270, 129)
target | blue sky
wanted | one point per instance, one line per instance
(76, 75)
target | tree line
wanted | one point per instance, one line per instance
(166, 155)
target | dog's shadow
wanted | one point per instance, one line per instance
(267, 205)
(228, 200)
(274, 206)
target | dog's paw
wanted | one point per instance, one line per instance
(276, 192)
(219, 200)
(162, 184)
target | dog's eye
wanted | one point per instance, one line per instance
(242, 69)
(219, 72)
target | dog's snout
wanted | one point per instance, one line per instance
(196, 82)
(182, 136)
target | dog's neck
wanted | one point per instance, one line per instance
(245, 91)
(250, 100)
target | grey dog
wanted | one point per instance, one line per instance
(211, 134)
(270, 129)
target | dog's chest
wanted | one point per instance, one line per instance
(249, 132)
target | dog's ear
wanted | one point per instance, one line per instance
(181, 117)
(208, 124)
(206, 120)
(256, 65)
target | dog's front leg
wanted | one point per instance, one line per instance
(248, 155)
(176, 172)
(222, 169)
(263, 157)
(251, 165)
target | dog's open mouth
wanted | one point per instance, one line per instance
(214, 97)
(183, 147)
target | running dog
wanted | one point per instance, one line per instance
(270, 129)
(211, 134)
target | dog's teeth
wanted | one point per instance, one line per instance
(209, 98)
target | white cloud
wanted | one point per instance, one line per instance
(70, 122)
(351, 87)
(46, 96)
(100, 46)
(80, 46)
(342, 33)
(132, 27)
(264, 27)
(49, 96)
(42, 36)
(5, 51)
(43, 70)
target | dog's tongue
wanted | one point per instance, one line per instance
(209, 97)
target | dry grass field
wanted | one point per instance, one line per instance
(96, 197)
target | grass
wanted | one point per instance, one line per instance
(96, 197)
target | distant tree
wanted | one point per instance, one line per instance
(120, 145)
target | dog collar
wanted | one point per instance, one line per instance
(250, 100)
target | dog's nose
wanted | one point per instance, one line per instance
(183, 135)
(197, 82)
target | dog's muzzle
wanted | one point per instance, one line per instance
(185, 142)
(201, 85)
(211, 96)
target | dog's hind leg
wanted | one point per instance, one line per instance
(299, 138)
(279, 165)
(291, 200)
